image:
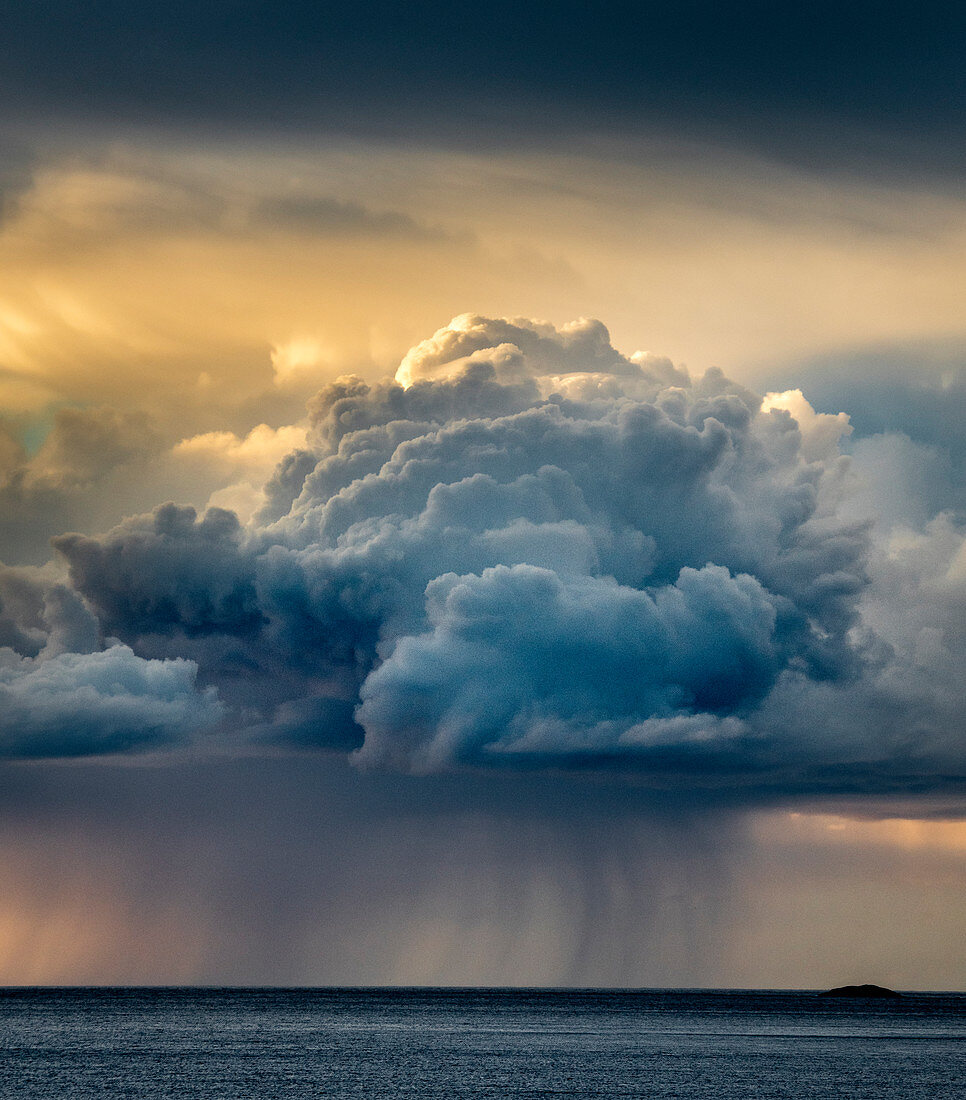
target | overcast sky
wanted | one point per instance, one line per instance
(481, 494)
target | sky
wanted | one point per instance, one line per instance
(482, 494)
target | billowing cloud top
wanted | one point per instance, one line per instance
(526, 550)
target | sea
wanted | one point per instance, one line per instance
(249, 1044)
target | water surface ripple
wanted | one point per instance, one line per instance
(436, 1044)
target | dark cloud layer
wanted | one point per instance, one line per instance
(816, 81)
(539, 553)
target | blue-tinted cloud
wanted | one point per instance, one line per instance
(83, 704)
(522, 663)
(540, 552)
(66, 691)
(169, 571)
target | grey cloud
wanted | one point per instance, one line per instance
(22, 625)
(82, 704)
(828, 86)
(286, 483)
(167, 570)
(522, 663)
(174, 585)
(71, 626)
(83, 474)
(915, 389)
(537, 553)
(314, 723)
(63, 693)
(42, 616)
(85, 444)
(326, 216)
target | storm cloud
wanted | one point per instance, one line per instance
(529, 550)
(815, 84)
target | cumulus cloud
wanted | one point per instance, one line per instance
(86, 704)
(165, 572)
(521, 662)
(529, 550)
(517, 348)
(65, 691)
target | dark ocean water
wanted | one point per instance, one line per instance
(429, 1043)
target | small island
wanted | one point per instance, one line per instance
(861, 991)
